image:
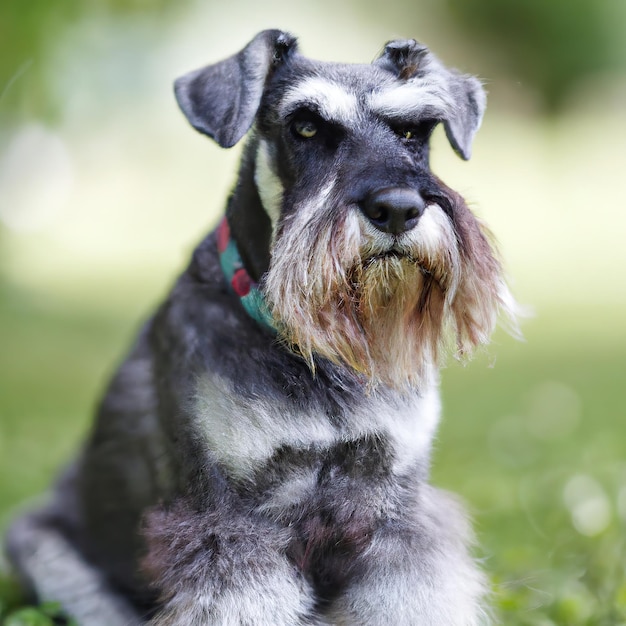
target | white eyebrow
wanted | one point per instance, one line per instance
(333, 102)
(415, 97)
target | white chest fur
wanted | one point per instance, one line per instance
(243, 432)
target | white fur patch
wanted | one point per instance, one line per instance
(434, 238)
(333, 101)
(268, 184)
(243, 432)
(317, 203)
(413, 99)
(292, 491)
(437, 585)
(303, 214)
(412, 429)
(265, 596)
(434, 231)
(512, 311)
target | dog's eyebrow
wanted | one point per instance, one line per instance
(413, 100)
(332, 101)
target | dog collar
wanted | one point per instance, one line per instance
(240, 282)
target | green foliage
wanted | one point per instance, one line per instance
(13, 612)
(47, 614)
(10, 595)
(549, 44)
(31, 31)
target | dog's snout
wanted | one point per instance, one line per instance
(393, 210)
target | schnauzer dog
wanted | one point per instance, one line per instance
(261, 457)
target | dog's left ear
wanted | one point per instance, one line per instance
(409, 59)
(466, 116)
(221, 100)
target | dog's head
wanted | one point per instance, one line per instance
(364, 256)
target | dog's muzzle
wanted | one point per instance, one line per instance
(393, 210)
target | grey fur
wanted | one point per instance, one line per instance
(230, 481)
(221, 100)
(468, 96)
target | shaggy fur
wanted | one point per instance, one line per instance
(249, 474)
(385, 312)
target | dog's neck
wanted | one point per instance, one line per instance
(238, 278)
(243, 240)
(249, 223)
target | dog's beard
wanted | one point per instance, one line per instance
(387, 314)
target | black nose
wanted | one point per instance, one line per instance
(393, 210)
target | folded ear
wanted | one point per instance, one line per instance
(463, 98)
(464, 118)
(221, 100)
(402, 57)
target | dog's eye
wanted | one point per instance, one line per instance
(305, 128)
(407, 132)
(421, 131)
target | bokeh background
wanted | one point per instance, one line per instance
(105, 189)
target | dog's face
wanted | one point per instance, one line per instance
(373, 262)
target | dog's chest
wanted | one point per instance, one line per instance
(332, 499)
(292, 445)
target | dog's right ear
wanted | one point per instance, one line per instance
(221, 100)
(469, 107)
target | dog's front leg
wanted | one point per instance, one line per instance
(219, 567)
(416, 572)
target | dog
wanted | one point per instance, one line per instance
(261, 457)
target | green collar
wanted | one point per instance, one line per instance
(239, 280)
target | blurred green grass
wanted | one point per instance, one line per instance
(545, 482)
(524, 425)
(52, 364)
